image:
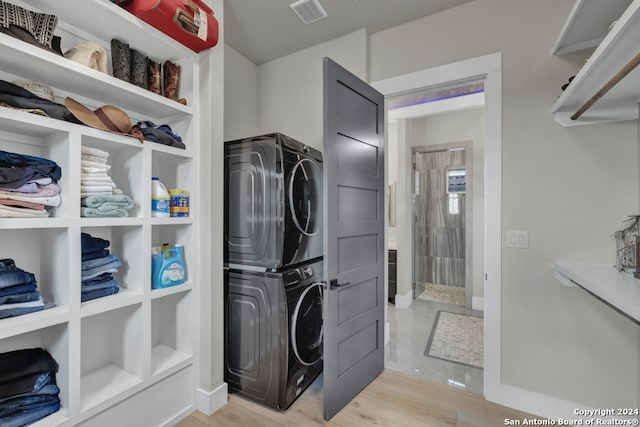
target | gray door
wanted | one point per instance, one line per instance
(354, 185)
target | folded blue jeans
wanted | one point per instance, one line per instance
(25, 297)
(45, 390)
(111, 267)
(7, 264)
(86, 296)
(104, 277)
(89, 243)
(97, 262)
(99, 253)
(17, 404)
(104, 285)
(17, 277)
(12, 312)
(18, 289)
(27, 383)
(29, 416)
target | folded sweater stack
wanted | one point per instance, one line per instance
(28, 186)
(100, 196)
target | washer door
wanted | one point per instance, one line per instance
(305, 196)
(306, 326)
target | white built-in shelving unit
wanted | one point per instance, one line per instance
(116, 347)
(589, 26)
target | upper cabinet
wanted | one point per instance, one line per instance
(604, 85)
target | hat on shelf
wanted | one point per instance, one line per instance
(39, 89)
(107, 117)
(89, 54)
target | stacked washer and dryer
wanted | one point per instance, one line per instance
(273, 268)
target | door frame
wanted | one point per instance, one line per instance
(489, 69)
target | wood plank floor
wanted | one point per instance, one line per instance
(393, 399)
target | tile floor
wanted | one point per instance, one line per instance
(409, 332)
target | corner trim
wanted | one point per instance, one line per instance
(404, 301)
(477, 303)
(210, 401)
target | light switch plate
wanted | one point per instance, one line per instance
(518, 239)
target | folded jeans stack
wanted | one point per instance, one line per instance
(18, 294)
(98, 266)
(28, 390)
(100, 196)
(28, 186)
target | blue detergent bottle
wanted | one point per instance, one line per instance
(168, 268)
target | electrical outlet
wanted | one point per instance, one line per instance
(518, 239)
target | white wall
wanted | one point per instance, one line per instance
(466, 125)
(240, 96)
(563, 185)
(290, 88)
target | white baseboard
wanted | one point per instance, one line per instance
(404, 301)
(534, 403)
(210, 401)
(477, 303)
(181, 416)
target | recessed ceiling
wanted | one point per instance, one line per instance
(263, 30)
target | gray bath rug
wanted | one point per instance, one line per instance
(457, 338)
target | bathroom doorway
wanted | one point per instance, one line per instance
(442, 223)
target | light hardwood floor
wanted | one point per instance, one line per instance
(393, 399)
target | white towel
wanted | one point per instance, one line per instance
(95, 159)
(90, 169)
(97, 184)
(96, 189)
(99, 166)
(95, 177)
(94, 152)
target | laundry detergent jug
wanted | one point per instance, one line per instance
(167, 268)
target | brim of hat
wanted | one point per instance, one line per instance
(84, 114)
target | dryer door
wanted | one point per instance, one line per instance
(306, 326)
(305, 196)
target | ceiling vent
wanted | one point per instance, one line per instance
(308, 10)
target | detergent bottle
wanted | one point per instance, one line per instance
(159, 199)
(168, 268)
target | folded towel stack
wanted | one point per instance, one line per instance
(96, 184)
(28, 186)
(98, 267)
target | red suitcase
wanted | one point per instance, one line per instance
(191, 22)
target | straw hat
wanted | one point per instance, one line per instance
(107, 117)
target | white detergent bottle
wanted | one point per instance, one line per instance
(159, 199)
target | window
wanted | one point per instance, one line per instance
(456, 180)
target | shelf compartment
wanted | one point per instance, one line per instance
(617, 49)
(588, 24)
(175, 173)
(54, 339)
(31, 62)
(126, 159)
(111, 350)
(48, 143)
(42, 251)
(126, 242)
(176, 234)
(171, 332)
(618, 289)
